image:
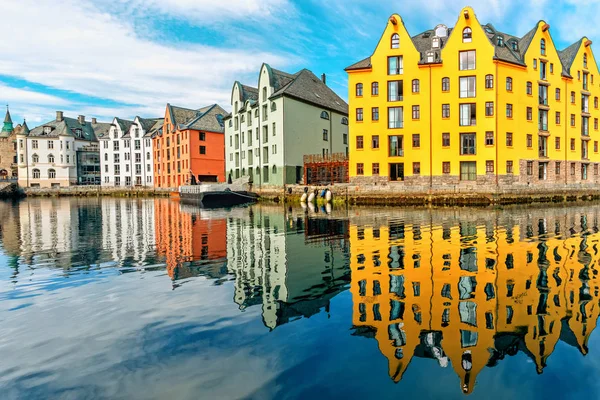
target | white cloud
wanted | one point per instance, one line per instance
(71, 45)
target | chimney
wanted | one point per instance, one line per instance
(59, 116)
(94, 121)
(81, 119)
(324, 78)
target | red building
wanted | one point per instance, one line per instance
(192, 142)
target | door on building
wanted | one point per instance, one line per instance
(543, 171)
(299, 174)
(396, 171)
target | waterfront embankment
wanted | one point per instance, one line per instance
(90, 191)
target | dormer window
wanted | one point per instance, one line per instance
(500, 41)
(47, 130)
(543, 47)
(435, 43)
(324, 115)
(78, 132)
(467, 35)
(395, 41)
(514, 45)
(430, 56)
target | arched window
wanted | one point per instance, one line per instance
(51, 174)
(50, 158)
(324, 115)
(36, 174)
(415, 86)
(445, 84)
(467, 35)
(274, 169)
(375, 89)
(359, 90)
(509, 84)
(395, 41)
(273, 106)
(35, 158)
(257, 170)
(489, 81)
(543, 47)
(584, 60)
(344, 121)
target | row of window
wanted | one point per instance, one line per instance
(138, 180)
(51, 160)
(138, 169)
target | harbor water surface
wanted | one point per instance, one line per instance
(153, 299)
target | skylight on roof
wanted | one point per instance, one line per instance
(489, 30)
(317, 95)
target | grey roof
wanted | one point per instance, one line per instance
(366, 63)
(68, 127)
(180, 115)
(148, 123)
(567, 56)
(249, 93)
(101, 128)
(24, 129)
(279, 79)
(155, 128)
(124, 124)
(210, 119)
(305, 86)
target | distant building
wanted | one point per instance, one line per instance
(273, 126)
(190, 143)
(61, 152)
(8, 148)
(126, 152)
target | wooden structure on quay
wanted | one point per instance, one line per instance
(325, 169)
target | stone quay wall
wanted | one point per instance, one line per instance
(86, 191)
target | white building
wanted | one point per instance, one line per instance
(273, 126)
(61, 152)
(126, 152)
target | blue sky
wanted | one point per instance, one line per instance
(107, 58)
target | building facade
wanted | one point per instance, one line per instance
(190, 146)
(8, 148)
(274, 125)
(126, 152)
(61, 152)
(470, 105)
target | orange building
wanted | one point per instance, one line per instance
(191, 143)
(186, 238)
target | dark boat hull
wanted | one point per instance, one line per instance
(219, 199)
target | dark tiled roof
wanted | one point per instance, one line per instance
(148, 123)
(124, 124)
(362, 64)
(307, 87)
(156, 128)
(101, 129)
(249, 93)
(210, 119)
(567, 56)
(279, 79)
(68, 127)
(180, 115)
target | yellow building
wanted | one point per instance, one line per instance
(471, 105)
(469, 292)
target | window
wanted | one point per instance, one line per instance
(51, 158)
(50, 144)
(596, 123)
(529, 88)
(529, 167)
(557, 143)
(345, 138)
(395, 146)
(509, 111)
(375, 169)
(467, 60)
(375, 114)
(36, 174)
(529, 114)
(557, 118)
(416, 168)
(445, 167)
(468, 114)
(416, 112)
(543, 75)
(395, 91)
(359, 90)
(325, 135)
(489, 138)
(51, 174)
(585, 60)
(375, 142)
(360, 169)
(489, 109)
(557, 167)
(596, 102)
(359, 142)
(445, 84)
(543, 120)
(468, 171)
(467, 86)
(35, 158)
(572, 119)
(415, 86)
(467, 144)
(416, 141)
(34, 144)
(557, 96)
(344, 122)
(395, 41)
(584, 170)
(395, 66)
(489, 81)
(375, 89)
(467, 35)
(445, 110)
(324, 115)
(529, 141)
(543, 47)
(509, 167)
(595, 146)
(395, 117)
(509, 84)
(509, 139)
(572, 144)
(489, 167)
(573, 97)
(359, 114)
(445, 139)
(572, 168)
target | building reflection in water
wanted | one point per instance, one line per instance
(290, 264)
(469, 288)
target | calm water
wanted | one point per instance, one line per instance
(150, 299)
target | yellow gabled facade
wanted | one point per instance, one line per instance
(503, 116)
